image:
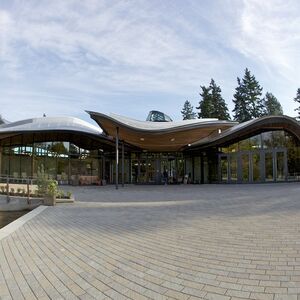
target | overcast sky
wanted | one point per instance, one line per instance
(62, 57)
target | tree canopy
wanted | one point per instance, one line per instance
(272, 105)
(188, 111)
(247, 98)
(212, 104)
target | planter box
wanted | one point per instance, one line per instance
(49, 200)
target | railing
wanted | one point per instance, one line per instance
(13, 186)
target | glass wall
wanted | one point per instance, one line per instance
(158, 168)
(266, 157)
(62, 161)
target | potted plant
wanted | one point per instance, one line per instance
(51, 193)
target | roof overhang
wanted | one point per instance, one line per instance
(166, 136)
(248, 129)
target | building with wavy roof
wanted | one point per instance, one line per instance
(122, 150)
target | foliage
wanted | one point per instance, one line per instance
(52, 188)
(272, 105)
(212, 104)
(188, 111)
(42, 181)
(297, 100)
(247, 99)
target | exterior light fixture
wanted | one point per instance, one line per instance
(172, 139)
(219, 130)
(142, 139)
(189, 145)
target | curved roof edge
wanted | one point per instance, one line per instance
(51, 123)
(154, 127)
(249, 128)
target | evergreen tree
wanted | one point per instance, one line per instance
(205, 105)
(188, 111)
(219, 106)
(297, 99)
(212, 104)
(272, 105)
(248, 103)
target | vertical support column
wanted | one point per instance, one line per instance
(123, 175)
(1, 160)
(139, 169)
(32, 157)
(117, 157)
(202, 168)
(129, 168)
(103, 167)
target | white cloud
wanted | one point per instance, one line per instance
(96, 49)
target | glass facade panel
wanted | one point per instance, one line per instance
(224, 168)
(245, 167)
(255, 142)
(279, 140)
(244, 145)
(256, 166)
(267, 140)
(269, 166)
(233, 167)
(280, 162)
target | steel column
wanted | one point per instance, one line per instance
(123, 175)
(117, 157)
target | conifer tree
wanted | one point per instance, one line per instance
(248, 103)
(297, 100)
(188, 111)
(212, 104)
(219, 106)
(205, 104)
(272, 105)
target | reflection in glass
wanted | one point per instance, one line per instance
(255, 142)
(267, 139)
(233, 167)
(245, 167)
(278, 139)
(280, 166)
(224, 168)
(256, 167)
(269, 166)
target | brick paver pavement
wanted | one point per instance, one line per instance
(235, 242)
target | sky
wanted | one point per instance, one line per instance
(132, 56)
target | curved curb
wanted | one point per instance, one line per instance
(13, 226)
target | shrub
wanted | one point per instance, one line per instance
(52, 188)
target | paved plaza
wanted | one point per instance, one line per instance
(159, 242)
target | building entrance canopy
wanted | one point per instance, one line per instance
(159, 136)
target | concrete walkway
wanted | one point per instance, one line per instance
(182, 242)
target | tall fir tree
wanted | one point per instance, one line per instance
(297, 100)
(188, 111)
(205, 104)
(212, 104)
(272, 105)
(247, 98)
(220, 109)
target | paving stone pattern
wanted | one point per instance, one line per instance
(223, 242)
